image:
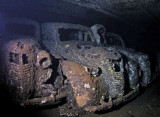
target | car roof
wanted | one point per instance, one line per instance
(68, 26)
(25, 22)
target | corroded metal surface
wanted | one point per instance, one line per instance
(88, 91)
(136, 62)
(105, 56)
(109, 63)
(138, 65)
(20, 59)
(86, 87)
(94, 52)
(92, 77)
(24, 76)
(43, 59)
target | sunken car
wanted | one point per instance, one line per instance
(13, 28)
(27, 68)
(88, 68)
(20, 27)
(104, 55)
(81, 44)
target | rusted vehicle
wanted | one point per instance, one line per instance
(122, 70)
(27, 68)
(72, 40)
(17, 28)
(88, 73)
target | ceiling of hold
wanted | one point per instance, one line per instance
(124, 10)
(117, 5)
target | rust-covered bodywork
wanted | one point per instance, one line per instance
(105, 63)
(73, 38)
(87, 89)
(122, 70)
(20, 69)
(27, 69)
(92, 79)
(88, 75)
